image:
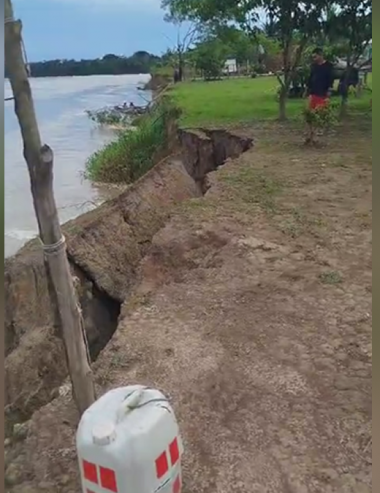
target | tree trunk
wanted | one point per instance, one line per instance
(286, 82)
(343, 108)
(345, 88)
(282, 103)
(290, 68)
(39, 160)
(180, 66)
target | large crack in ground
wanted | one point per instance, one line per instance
(201, 152)
(233, 318)
(100, 311)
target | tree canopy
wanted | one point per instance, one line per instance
(292, 24)
(349, 28)
(209, 57)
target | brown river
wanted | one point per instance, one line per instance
(60, 105)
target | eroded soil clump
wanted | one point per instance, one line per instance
(252, 312)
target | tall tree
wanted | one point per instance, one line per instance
(186, 35)
(238, 44)
(295, 22)
(209, 57)
(349, 24)
(184, 42)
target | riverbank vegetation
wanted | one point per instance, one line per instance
(199, 104)
(136, 150)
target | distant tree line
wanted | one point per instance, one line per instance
(140, 62)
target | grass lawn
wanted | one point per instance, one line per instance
(232, 101)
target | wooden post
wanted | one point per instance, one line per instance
(39, 159)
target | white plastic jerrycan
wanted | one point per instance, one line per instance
(128, 441)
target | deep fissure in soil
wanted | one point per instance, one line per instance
(201, 152)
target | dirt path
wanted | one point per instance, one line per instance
(254, 316)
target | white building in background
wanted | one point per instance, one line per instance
(230, 67)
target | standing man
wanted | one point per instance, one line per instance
(319, 86)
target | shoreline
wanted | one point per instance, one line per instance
(25, 236)
(65, 126)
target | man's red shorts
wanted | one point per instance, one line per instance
(316, 102)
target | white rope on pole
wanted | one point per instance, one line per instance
(55, 247)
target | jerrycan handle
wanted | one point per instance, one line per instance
(130, 403)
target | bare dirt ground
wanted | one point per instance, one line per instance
(253, 315)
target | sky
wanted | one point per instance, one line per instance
(54, 29)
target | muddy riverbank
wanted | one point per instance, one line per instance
(245, 296)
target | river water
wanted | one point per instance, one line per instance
(60, 105)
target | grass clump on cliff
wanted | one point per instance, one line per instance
(135, 151)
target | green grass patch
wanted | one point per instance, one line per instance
(235, 100)
(330, 278)
(135, 151)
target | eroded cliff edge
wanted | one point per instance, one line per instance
(105, 250)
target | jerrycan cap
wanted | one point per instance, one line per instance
(103, 433)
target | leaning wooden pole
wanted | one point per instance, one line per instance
(39, 160)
